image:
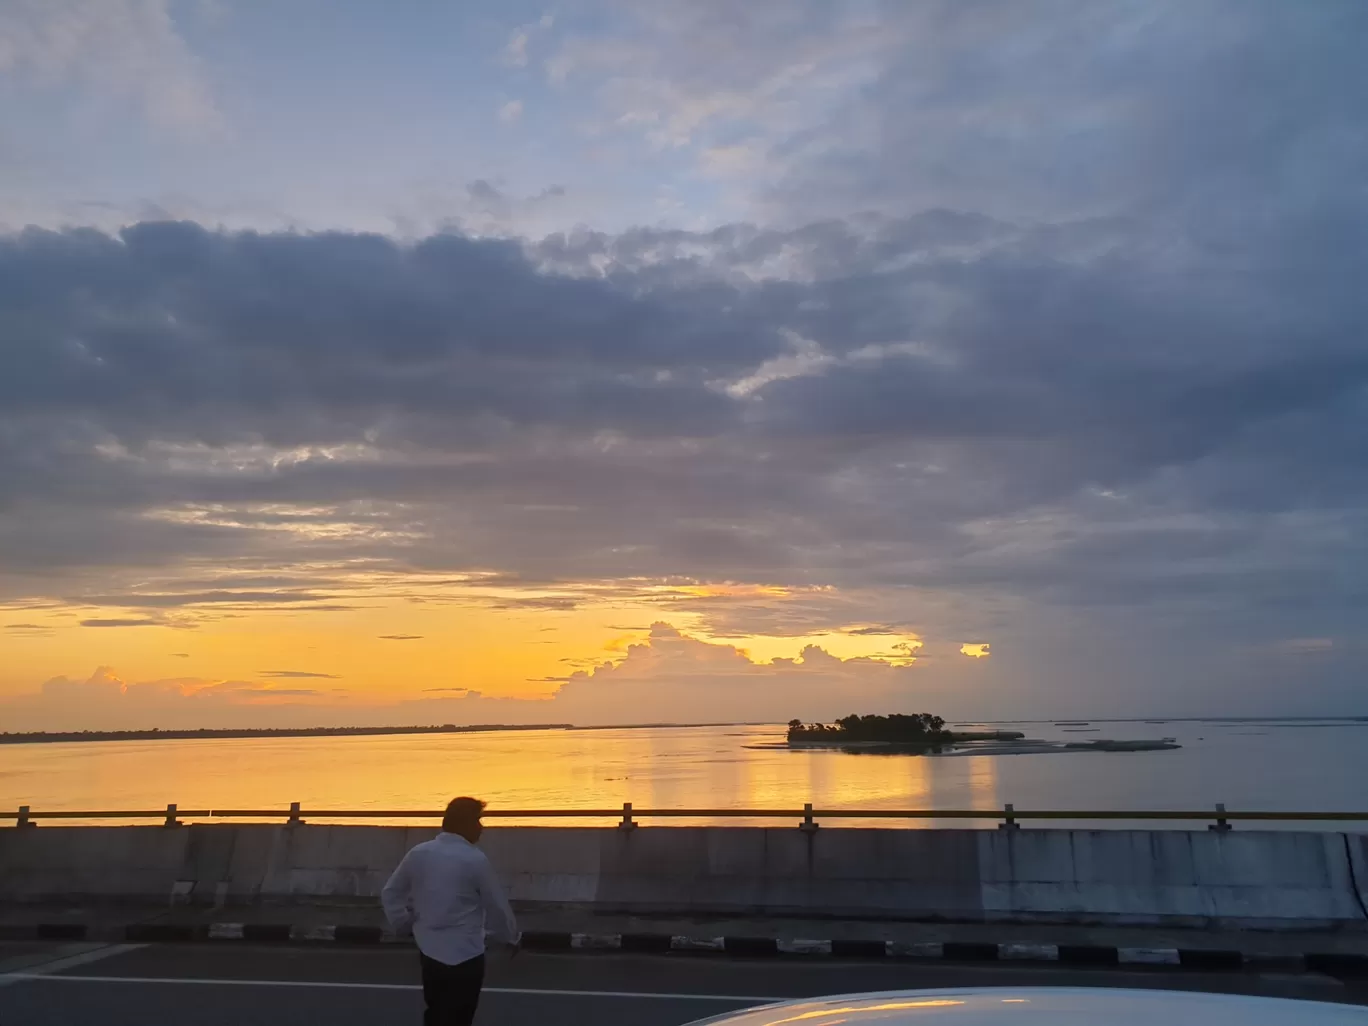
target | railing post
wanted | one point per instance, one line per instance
(1222, 825)
(808, 826)
(23, 820)
(171, 819)
(1009, 818)
(627, 822)
(294, 819)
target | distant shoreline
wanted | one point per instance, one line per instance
(207, 733)
(60, 737)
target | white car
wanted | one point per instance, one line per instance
(1045, 1006)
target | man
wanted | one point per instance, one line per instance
(445, 890)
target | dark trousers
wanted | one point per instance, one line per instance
(451, 992)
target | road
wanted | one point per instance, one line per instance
(151, 985)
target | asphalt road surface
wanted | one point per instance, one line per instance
(152, 985)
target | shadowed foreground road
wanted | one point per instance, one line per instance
(124, 985)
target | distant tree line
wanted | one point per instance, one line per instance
(157, 734)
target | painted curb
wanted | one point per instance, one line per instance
(1201, 959)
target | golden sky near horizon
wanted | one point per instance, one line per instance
(380, 640)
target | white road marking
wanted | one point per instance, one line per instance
(57, 965)
(735, 998)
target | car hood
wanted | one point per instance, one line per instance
(1046, 1006)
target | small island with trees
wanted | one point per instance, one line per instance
(895, 729)
(926, 734)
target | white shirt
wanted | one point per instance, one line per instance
(446, 890)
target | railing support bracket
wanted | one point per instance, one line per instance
(1222, 825)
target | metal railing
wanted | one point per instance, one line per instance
(1007, 818)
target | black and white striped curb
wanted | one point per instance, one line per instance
(1332, 963)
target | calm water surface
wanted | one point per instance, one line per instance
(1276, 765)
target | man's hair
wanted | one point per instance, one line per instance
(461, 813)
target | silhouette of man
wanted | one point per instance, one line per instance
(446, 892)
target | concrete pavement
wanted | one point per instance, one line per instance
(148, 985)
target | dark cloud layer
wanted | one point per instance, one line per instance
(144, 377)
(1111, 364)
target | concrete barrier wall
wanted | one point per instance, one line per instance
(1267, 879)
(1264, 878)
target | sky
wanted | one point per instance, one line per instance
(606, 362)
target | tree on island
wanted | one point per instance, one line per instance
(898, 728)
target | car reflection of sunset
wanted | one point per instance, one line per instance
(890, 1006)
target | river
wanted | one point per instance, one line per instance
(1280, 765)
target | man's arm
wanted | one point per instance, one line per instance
(397, 896)
(499, 921)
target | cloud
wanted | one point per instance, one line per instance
(515, 51)
(401, 637)
(976, 649)
(178, 599)
(298, 673)
(123, 622)
(666, 677)
(510, 111)
(1067, 464)
(105, 700)
(29, 630)
(1305, 646)
(672, 677)
(111, 49)
(555, 603)
(1152, 127)
(709, 76)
